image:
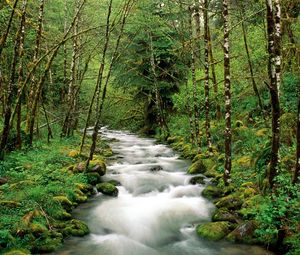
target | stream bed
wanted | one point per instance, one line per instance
(156, 212)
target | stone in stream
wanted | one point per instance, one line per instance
(156, 168)
(197, 180)
(108, 189)
(213, 231)
(212, 192)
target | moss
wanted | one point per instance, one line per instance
(62, 215)
(17, 252)
(197, 180)
(115, 182)
(250, 207)
(107, 152)
(197, 168)
(198, 157)
(75, 228)
(239, 123)
(48, 243)
(243, 233)
(212, 192)
(244, 161)
(97, 166)
(223, 214)
(107, 189)
(248, 185)
(64, 201)
(172, 139)
(37, 229)
(84, 187)
(93, 178)
(213, 230)
(231, 202)
(188, 151)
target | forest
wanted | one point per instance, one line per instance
(84, 84)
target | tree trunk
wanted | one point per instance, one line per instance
(35, 58)
(214, 77)
(274, 71)
(98, 85)
(227, 85)
(20, 72)
(206, 82)
(254, 85)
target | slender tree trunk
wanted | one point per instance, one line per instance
(4, 37)
(206, 64)
(10, 95)
(214, 77)
(20, 72)
(274, 49)
(227, 84)
(254, 85)
(194, 82)
(98, 85)
(35, 58)
(63, 91)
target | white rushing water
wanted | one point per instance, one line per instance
(156, 211)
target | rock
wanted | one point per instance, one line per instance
(197, 180)
(107, 189)
(62, 215)
(197, 168)
(17, 252)
(80, 167)
(48, 242)
(115, 182)
(156, 168)
(212, 192)
(75, 228)
(172, 139)
(85, 188)
(93, 178)
(214, 231)
(198, 157)
(64, 201)
(231, 202)
(222, 214)
(37, 229)
(3, 180)
(97, 166)
(243, 233)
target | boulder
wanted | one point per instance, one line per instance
(97, 166)
(231, 202)
(223, 214)
(243, 233)
(93, 178)
(197, 168)
(79, 168)
(213, 231)
(115, 182)
(197, 180)
(3, 180)
(75, 228)
(64, 201)
(107, 189)
(17, 252)
(212, 192)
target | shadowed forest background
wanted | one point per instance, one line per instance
(217, 80)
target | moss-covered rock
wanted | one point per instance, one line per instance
(37, 229)
(262, 132)
(213, 230)
(188, 151)
(17, 252)
(75, 228)
(223, 214)
(48, 242)
(250, 207)
(197, 168)
(78, 168)
(198, 157)
(93, 178)
(114, 182)
(212, 192)
(62, 215)
(173, 139)
(107, 189)
(231, 202)
(84, 187)
(244, 233)
(6, 239)
(64, 201)
(73, 153)
(97, 166)
(197, 180)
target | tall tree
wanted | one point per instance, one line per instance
(206, 79)
(274, 71)
(227, 85)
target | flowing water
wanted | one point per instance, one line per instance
(156, 211)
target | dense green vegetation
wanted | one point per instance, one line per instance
(157, 68)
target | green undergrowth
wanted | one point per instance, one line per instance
(39, 190)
